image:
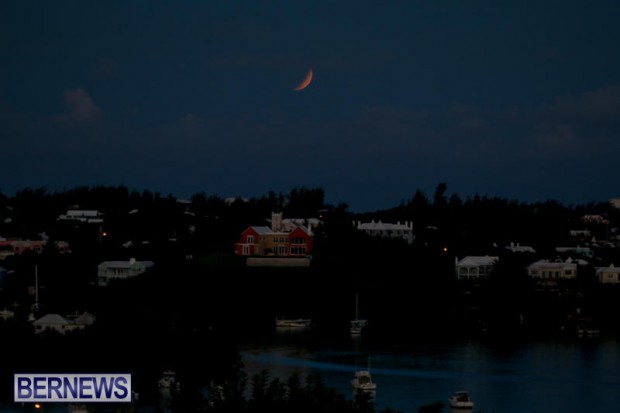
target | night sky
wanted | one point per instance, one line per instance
(516, 99)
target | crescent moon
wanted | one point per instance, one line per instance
(304, 84)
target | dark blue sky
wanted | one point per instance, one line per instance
(517, 99)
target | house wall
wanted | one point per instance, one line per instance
(552, 271)
(278, 244)
(113, 270)
(609, 276)
(244, 246)
(473, 271)
(474, 267)
(300, 243)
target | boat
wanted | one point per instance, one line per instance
(363, 381)
(461, 400)
(77, 408)
(293, 322)
(357, 324)
(7, 314)
(587, 328)
(588, 332)
(168, 380)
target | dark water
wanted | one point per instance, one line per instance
(537, 376)
(568, 375)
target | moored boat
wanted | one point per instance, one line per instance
(461, 400)
(357, 324)
(293, 322)
(168, 380)
(363, 381)
(77, 408)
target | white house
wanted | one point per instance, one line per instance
(608, 275)
(109, 270)
(474, 267)
(520, 248)
(575, 251)
(553, 270)
(82, 215)
(402, 231)
(62, 324)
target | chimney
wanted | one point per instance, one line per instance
(276, 221)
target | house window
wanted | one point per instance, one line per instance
(250, 239)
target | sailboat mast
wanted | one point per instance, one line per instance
(356, 305)
(36, 286)
(35, 306)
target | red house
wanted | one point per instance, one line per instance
(285, 238)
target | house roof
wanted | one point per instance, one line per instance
(546, 264)
(262, 230)
(126, 264)
(268, 231)
(520, 248)
(51, 319)
(474, 260)
(85, 319)
(386, 226)
(302, 229)
(611, 268)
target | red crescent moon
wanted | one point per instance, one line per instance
(304, 84)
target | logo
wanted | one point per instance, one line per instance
(72, 388)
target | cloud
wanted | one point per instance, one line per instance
(191, 126)
(557, 137)
(106, 68)
(80, 108)
(578, 125)
(79, 126)
(601, 105)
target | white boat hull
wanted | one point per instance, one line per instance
(294, 323)
(461, 400)
(357, 326)
(363, 381)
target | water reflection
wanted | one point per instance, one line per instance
(534, 377)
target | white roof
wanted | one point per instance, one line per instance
(383, 226)
(611, 268)
(546, 264)
(474, 260)
(85, 319)
(263, 230)
(520, 248)
(126, 264)
(82, 213)
(52, 319)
